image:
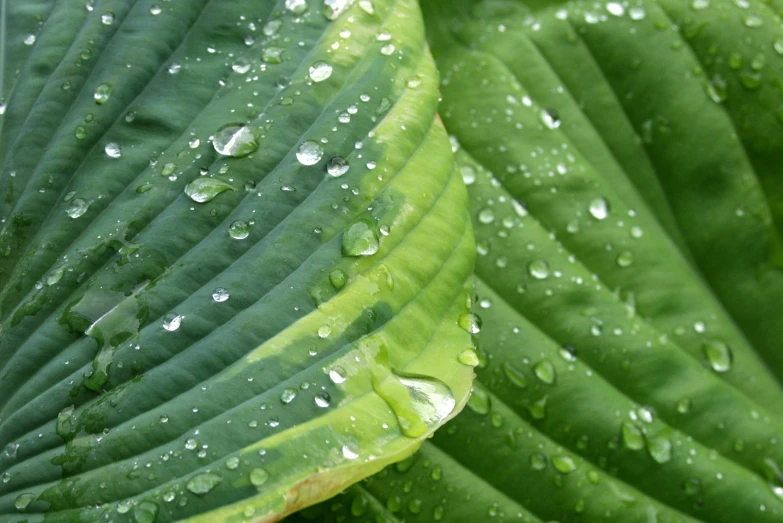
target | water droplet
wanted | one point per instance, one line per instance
(287, 396)
(778, 46)
(113, 150)
(337, 166)
(338, 279)
(468, 357)
(752, 21)
(107, 18)
(172, 321)
(479, 401)
(420, 403)
(718, 355)
(350, 452)
(750, 80)
(145, 512)
(486, 216)
(23, 500)
(514, 375)
(239, 230)
(322, 399)
(337, 375)
(273, 55)
(615, 8)
(334, 8)
(29, 39)
(205, 188)
(716, 89)
(538, 269)
(545, 371)
(309, 153)
(470, 322)
(564, 464)
(324, 331)
(258, 476)
(320, 71)
(102, 94)
(632, 436)
(637, 13)
(220, 295)
(77, 208)
(550, 118)
(388, 49)
(659, 447)
(684, 405)
(538, 461)
(367, 6)
(235, 140)
(155, 10)
(191, 444)
(232, 463)
(624, 259)
(360, 239)
(203, 483)
(698, 5)
(691, 486)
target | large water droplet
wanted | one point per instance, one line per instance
(360, 239)
(718, 355)
(297, 7)
(659, 447)
(514, 375)
(470, 322)
(320, 71)
(337, 375)
(563, 464)
(235, 140)
(545, 371)
(420, 403)
(468, 357)
(204, 189)
(220, 295)
(479, 401)
(203, 483)
(287, 396)
(309, 153)
(322, 400)
(550, 118)
(350, 452)
(23, 500)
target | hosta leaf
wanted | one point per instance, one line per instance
(234, 254)
(623, 165)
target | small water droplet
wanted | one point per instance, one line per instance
(29, 39)
(287, 396)
(624, 259)
(320, 71)
(486, 216)
(324, 331)
(258, 476)
(545, 371)
(145, 512)
(235, 140)
(203, 483)
(220, 295)
(102, 94)
(155, 10)
(550, 118)
(107, 18)
(538, 269)
(337, 166)
(273, 55)
(322, 399)
(514, 375)
(172, 321)
(309, 153)
(113, 150)
(479, 401)
(599, 208)
(337, 375)
(239, 230)
(684, 405)
(718, 355)
(470, 322)
(77, 208)
(23, 500)
(659, 447)
(468, 357)
(204, 188)
(632, 436)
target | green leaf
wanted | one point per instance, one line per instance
(193, 326)
(623, 162)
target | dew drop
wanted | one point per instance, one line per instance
(360, 239)
(420, 403)
(514, 375)
(102, 94)
(470, 322)
(172, 321)
(660, 448)
(545, 371)
(479, 401)
(273, 55)
(235, 140)
(550, 118)
(337, 375)
(320, 71)
(468, 357)
(239, 230)
(203, 483)
(718, 355)
(624, 259)
(287, 396)
(205, 188)
(538, 269)
(145, 512)
(258, 476)
(220, 295)
(599, 208)
(563, 464)
(113, 150)
(324, 331)
(107, 18)
(632, 436)
(309, 153)
(322, 399)
(22, 501)
(77, 208)
(337, 166)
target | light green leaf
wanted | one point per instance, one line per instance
(182, 335)
(623, 162)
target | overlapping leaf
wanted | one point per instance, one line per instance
(234, 249)
(623, 162)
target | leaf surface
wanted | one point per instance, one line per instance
(234, 253)
(623, 165)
